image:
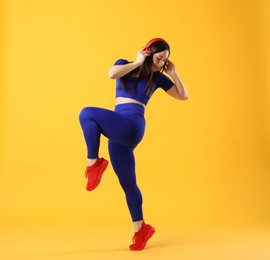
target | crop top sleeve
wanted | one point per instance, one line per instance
(162, 81)
(139, 94)
(121, 62)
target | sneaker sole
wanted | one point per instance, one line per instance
(102, 169)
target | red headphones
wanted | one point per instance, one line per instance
(148, 45)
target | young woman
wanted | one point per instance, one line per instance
(124, 127)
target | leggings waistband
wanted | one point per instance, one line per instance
(130, 108)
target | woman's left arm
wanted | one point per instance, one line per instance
(178, 90)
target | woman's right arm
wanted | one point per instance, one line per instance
(118, 71)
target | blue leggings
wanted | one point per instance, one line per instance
(124, 128)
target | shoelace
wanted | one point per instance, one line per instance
(134, 240)
(86, 173)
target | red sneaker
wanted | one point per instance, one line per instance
(94, 173)
(141, 237)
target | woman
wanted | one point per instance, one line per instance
(124, 127)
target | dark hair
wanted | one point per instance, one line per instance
(145, 70)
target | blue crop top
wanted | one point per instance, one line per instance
(139, 94)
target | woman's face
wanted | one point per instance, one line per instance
(159, 59)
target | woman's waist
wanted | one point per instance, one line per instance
(125, 100)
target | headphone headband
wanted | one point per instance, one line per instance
(148, 45)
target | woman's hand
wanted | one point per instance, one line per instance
(142, 54)
(169, 68)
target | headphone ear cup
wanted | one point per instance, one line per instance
(147, 48)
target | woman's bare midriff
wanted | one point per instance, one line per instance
(124, 100)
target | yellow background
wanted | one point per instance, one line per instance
(203, 162)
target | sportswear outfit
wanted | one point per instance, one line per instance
(124, 127)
